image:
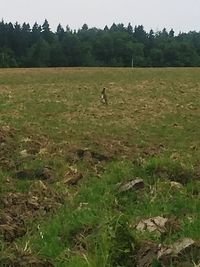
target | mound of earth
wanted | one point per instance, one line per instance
(18, 208)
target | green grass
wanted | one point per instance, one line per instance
(150, 129)
(98, 212)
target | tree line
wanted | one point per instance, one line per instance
(117, 46)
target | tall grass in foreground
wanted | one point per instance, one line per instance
(98, 227)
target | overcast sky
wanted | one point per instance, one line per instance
(181, 15)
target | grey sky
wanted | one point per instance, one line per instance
(181, 15)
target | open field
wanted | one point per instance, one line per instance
(64, 155)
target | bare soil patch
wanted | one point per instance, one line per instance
(19, 208)
(74, 154)
(44, 173)
(22, 258)
(8, 147)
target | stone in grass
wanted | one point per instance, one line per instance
(155, 224)
(134, 184)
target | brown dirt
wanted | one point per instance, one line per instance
(111, 147)
(18, 208)
(35, 144)
(149, 253)
(45, 173)
(72, 177)
(181, 176)
(14, 151)
(114, 149)
(74, 155)
(7, 147)
(146, 254)
(77, 238)
(151, 151)
(19, 258)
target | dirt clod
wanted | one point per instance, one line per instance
(134, 184)
(18, 208)
(180, 249)
(18, 258)
(44, 173)
(76, 154)
(146, 254)
(181, 252)
(155, 224)
(72, 177)
(78, 238)
(159, 225)
(8, 147)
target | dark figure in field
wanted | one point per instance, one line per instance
(104, 96)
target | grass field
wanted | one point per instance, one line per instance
(63, 155)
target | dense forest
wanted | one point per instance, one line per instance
(119, 45)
